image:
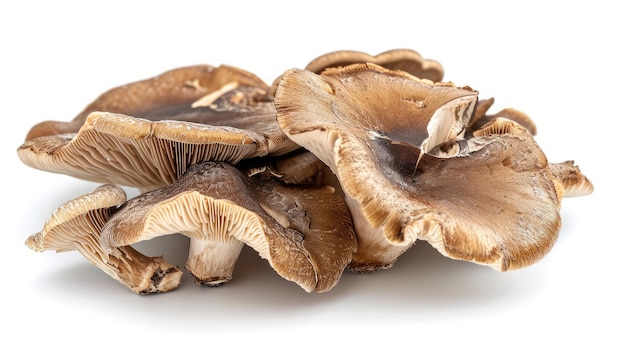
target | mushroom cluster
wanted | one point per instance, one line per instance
(341, 165)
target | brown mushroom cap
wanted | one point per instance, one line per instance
(157, 146)
(76, 225)
(507, 214)
(304, 232)
(157, 98)
(406, 60)
(490, 198)
(340, 114)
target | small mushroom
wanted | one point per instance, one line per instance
(76, 225)
(303, 231)
(168, 133)
(398, 147)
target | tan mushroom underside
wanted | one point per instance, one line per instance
(289, 226)
(146, 134)
(124, 150)
(76, 225)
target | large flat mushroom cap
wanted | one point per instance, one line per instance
(343, 114)
(156, 98)
(490, 198)
(288, 225)
(370, 102)
(497, 202)
(228, 124)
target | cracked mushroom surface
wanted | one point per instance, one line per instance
(146, 134)
(303, 231)
(76, 226)
(398, 147)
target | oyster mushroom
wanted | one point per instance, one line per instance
(162, 97)
(398, 147)
(303, 231)
(406, 60)
(150, 132)
(76, 226)
(298, 167)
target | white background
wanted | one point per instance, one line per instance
(561, 64)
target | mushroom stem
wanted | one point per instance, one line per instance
(212, 262)
(142, 274)
(374, 251)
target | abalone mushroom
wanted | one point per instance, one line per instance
(303, 231)
(160, 129)
(398, 147)
(76, 226)
(229, 122)
(165, 125)
(130, 151)
(161, 97)
(406, 60)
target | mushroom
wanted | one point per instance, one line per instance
(303, 231)
(76, 225)
(171, 130)
(406, 60)
(398, 147)
(343, 164)
(160, 97)
(231, 121)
